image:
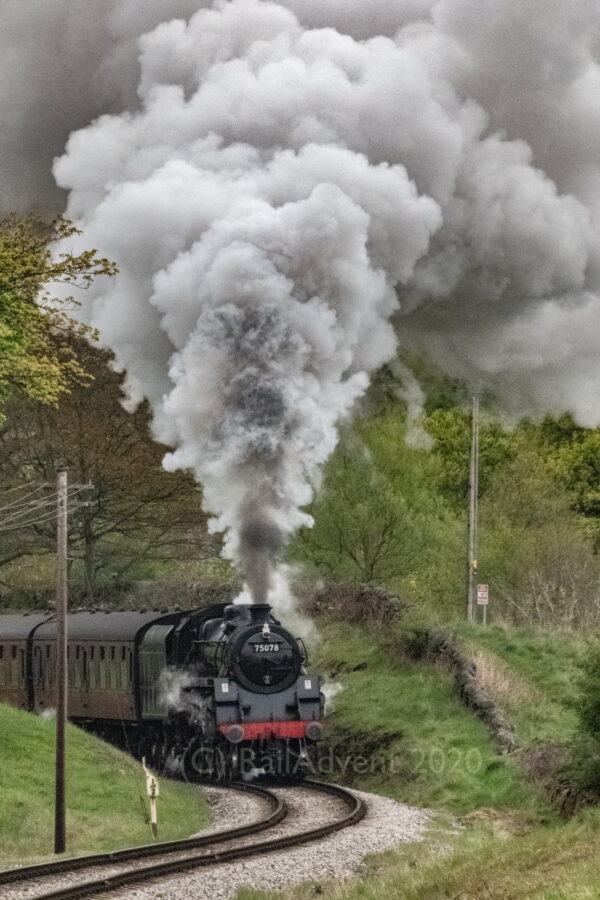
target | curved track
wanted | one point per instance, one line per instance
(185, 851)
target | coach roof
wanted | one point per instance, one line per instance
(18, 628)
(100, 626)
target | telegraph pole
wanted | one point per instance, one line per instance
(473, 491)
(61, 659)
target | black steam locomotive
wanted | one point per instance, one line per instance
(220, 691)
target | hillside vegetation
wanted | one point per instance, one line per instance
(405, 720)
(504, 838)
(105, 794)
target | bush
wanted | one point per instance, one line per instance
(359, 603)
(536, 552)
(586, 762)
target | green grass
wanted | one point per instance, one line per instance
(557, 862)
(517, 849)
(549, 664)
(428, 749)
(549, 660)
(104, 790)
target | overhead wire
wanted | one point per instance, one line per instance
(36, 521)
(19, 487)
(39, 488)
(33, 506)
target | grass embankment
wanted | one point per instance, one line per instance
(105, 793)
(516, 848)
(558, 862)
(533, 675)
(421, 745)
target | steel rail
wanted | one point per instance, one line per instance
(277, 811)
(147, 874)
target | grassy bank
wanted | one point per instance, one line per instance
(532, 674)
(105, 794)
(509, 844)
(419, 743)
(557, 862)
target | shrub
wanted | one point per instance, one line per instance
(586, 761)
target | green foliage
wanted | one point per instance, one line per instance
(579, 465)
(535, 552)
(589, 701)
(586, 765)
(451, 433)
(380, 518)
(104, 791)
(140, 518)
(35, 359)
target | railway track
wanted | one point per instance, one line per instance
(177, 857)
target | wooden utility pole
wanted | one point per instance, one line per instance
(473, 491)
(61, 660)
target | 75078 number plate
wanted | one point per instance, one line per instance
(266, 648)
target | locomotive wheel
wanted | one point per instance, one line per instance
(233, 764)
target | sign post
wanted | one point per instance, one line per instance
(483, 597)
(153, 791)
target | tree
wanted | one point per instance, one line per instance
(138, 512)
(379, 516)
(451, 433)
(535, 551)
(36, 358)
(579, 467)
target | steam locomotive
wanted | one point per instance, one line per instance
(220, 692)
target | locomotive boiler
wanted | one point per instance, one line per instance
(221, 692)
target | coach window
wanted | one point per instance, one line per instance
(37, 666)
(123, 677)
(77, 668)
(103, 675)
(92, 667)
(51, 668)
(1, 651)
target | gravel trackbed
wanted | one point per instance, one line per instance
(385, 825)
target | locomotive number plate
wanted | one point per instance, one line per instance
(266, 648)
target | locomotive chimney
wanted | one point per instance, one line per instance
(259, 613)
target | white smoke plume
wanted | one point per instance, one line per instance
(330, 690)
(175, 694)
(292, 190)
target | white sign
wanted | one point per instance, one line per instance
(483, 594)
